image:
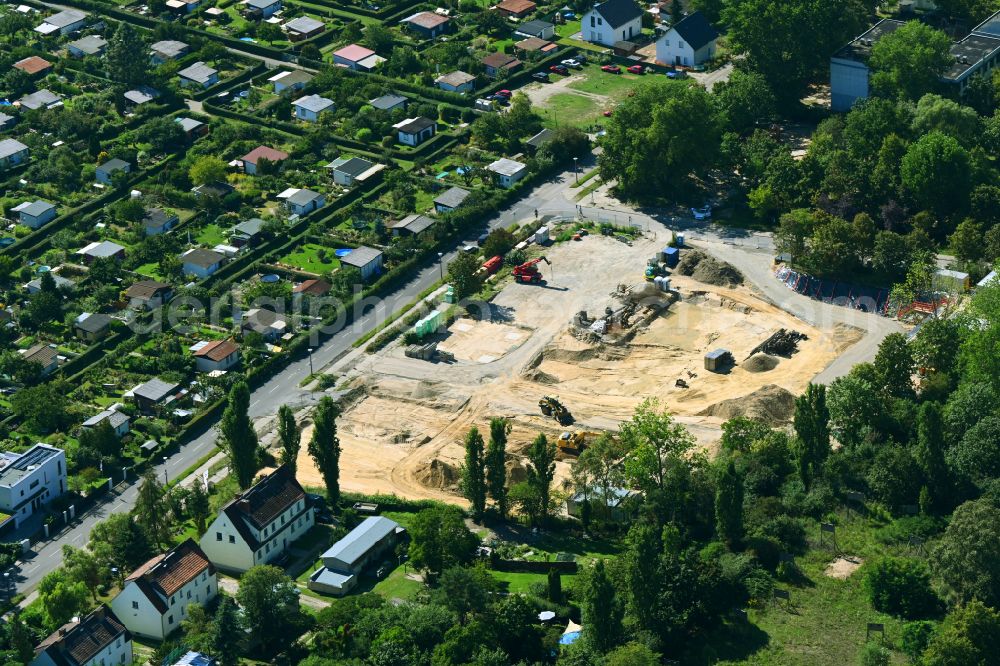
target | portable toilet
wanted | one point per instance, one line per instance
(718, 359)
(449, 294)
(679, 239)
(670, 257)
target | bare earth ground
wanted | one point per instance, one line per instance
(403, 431)
(842, 567)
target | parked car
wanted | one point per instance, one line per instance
(482, 238)
(636, 69)
(703, 213)
(677, 74)
(559, 69)
(572, 63)
(611, 69)
(470, 249)
(540, 76)
(504, 93)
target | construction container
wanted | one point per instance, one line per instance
(718, 359)
(449, 294)
(542, 235)
(952, 282)
(493, 264)
(670, 257)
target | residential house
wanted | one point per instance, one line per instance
(507, 172)
(262, 9)
(33, 66)
(350, 171)
(312, 288)
(414, 131)
(450, 199)
(536, 28)
(515, 8)
(195, 659)
(167, 50)
(303, 27)
(91, 326)
(158, 221)
(612, 21)
(33, 214)
(40, 99)
(411, 225)
(119, 421)
(198, 75)
(99, 639)
(366, 259)
(91, 45)
(301, 201)
(201, 262)
(252, 159)
(267, 323)
(45, 355)
(64, 22)
(105, 173)
(183, 6)
(499, 65)
(689, 42)
(249, 232)
(155, 598)
(427, 24)
(535, 143)
(615, 504)
(216, 189)
(389, 103)
(7, 122)
(192, 128)
(12, 153)
(139, 96)
(293, 80)
(309, 107)
(148, 294)
(101, 250)
(363, 546)
(30, 480)
(457, 81)
(153, 394)
(356, 57)
(62, 284)
(217, 355)
(260, 524)
(534, 45)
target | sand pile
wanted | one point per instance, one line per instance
(703, 268)
(537, 375)
(771, 404)
(437, 474)
(760, 363)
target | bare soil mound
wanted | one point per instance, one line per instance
(437, 474)
(703, 268)
(537, 375)
(771, 404)
(760, 363)
(842, 567)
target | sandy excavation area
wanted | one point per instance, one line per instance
(402, 426)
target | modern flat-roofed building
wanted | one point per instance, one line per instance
(30, 480)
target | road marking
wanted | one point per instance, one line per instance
(254, 403)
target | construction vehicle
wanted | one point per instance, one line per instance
(654, 271)
(493, 265)
(573, 443)
(552, 407)
(528, 273)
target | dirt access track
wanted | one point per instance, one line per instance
(402, 432)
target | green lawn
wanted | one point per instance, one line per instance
(212, 235)
(397, 586)
(520, 583)
(150, 270)
(567, 108)
(307, 259)
(568, 29)
(602, 83)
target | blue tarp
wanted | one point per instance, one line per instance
(570, 638)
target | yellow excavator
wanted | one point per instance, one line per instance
(573, 443)
(552, 407)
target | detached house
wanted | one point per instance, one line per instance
(155, 598)
(349, 171)
(262, 9)
(40, 99)
(301, 201)
(198, 75)
(269, 324)
(166, 50)
(47, 356)
(500, 64)
(200, 262)
(91, 326)
(457, 81)
(158, 221)
(216, 355)
(260, 524)
(427, 24)
(356, 57)
(252, 159)
(303, 27)
(248, 232)
(412, 225)
(33, 214)
(148, 294)
(389, 102)
(309, 107)
(33, 65)
(101, 250)
(691, 41)
(119, 421)
(367, 260)
(450, 199)
(507, 172)
(12, 153)
(64, 22)
(516, 8)
(153, 394)
(91, 45)
(105, 173)
(348, 558)
(293, 80)
(30, 480)
(414, 131)
(99, 639)
(536, 28)
(612, 21)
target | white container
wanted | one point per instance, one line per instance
(542, 235)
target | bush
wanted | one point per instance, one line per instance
(874, 654)
(916, 636)
(901, 587)
(787, 531)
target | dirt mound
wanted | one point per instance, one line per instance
(537, 375)
(516, 473)
(771, 404)
(760, 363)
(842, 567)
(703, 268)
(437, 474)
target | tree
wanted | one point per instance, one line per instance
(207, 169)
(632, 654)
(466, 590)
(936, 173)
(440, 540)
(290, 437)
(969, 635)
(602, 613)
(498, 243)
(496, 464)
(900, 586)
(729, 506)
(378, 38)
(741, 432)
(474, 474)
(977, 454)
(641, 559)
(21, 642)
(907, 63)
(790, 41)
(947, 116)
(601, 461)
(744, 101)
(541, 469)
(462, 275)
(198, 506)
(270, 603)
(225, 634)
(269, 32)
(236, 435)
(61, 598)
(151, 512)
(929, 454)
(894, 366)
(43, 408)
(121, 542)
(654, 443)
(659, 137)
(967, 240)
(812, 429)
(82, 566)
(324, 447)
(126, 57)
(967, 557)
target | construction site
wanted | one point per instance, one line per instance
(607, 325)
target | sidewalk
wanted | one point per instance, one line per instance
(203, 470)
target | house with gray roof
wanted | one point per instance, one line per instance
(262, 8)
(91, 45)
(168, 49)
(91, 326)
(411, 225)
(349, 171)
(457, 81)
(192, 128)
(536, 28)
(7, 121)
(507, 172)
(30, 480)
(201, 262)
(141, 95)
(33, 214)
(158, 221)
(43, 354)
(302, 201)
(367, 260)
(40, 99)
(612, 21)
(303, 27)
(363, 546)
(105, 173)
(62, 284)
(152, 394)
(64, 22)
(12, 153)
(414, 131)
(119, 421)
(389, 102)
(309, 107)
(247, 232)
(101, 250)
(198, 75)
(293, 80)
(450, 199)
